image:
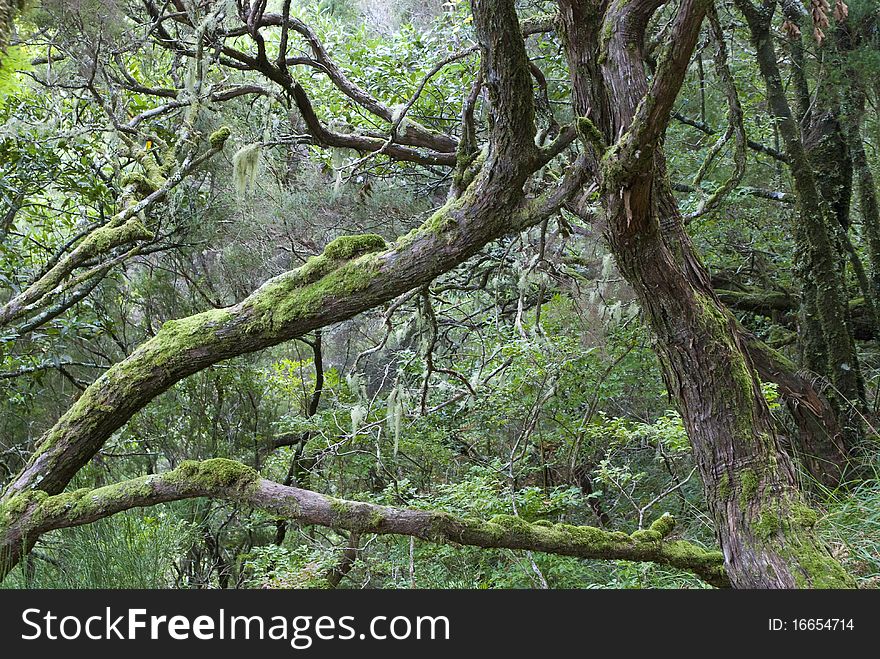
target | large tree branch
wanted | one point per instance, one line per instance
(508, 81)
(650, 117)
(26, 517)
(352, 275)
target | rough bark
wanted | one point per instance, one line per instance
(763, 523)
(819, 444)
(865, 183)
(764, 526)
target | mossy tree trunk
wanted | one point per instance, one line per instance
(764, 526)
(827, 341)
(864, 177)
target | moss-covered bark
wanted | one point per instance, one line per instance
(865, 183)
(746, 473)
(27, 516)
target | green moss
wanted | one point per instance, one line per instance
(218, 138)
(514, 525)
(180, 329)
(291, 296)
(442, 222)
(724, 491)
(347, 265)
(104, 239)
(443, 526)
(820, 570)
(646, 535)
(339, 506)
(16, 506)
(346, 247)
(813, 566)
(173, 341)
(345, 512)
(663, 524)
(804, 516)
(767, 524)
(711, 563)
(748, 486)
(62, 505)
(214, 473)
(143, 186)
(591, 134)
(376, 519)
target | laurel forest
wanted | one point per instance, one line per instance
(410, 294)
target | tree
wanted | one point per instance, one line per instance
(764, 524)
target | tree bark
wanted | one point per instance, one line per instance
(763, 523)
(764, 526)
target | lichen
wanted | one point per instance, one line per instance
(246, 167)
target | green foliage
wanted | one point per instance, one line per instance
(133, 550)
(14, 60)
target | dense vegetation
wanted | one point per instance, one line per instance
(395, 294)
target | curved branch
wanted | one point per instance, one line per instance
(30, 515)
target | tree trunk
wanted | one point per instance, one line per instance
(867, 188)
(764, 526)
(827, 342)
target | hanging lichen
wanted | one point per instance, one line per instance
(396, 406)
(246, 167)
(358, 414)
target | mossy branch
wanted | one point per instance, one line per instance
(125, 228)
(29, 515)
